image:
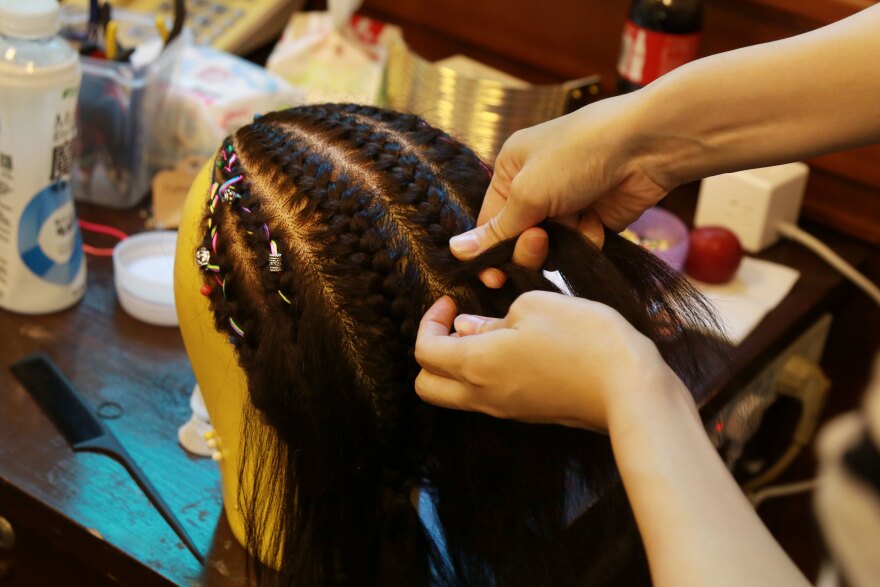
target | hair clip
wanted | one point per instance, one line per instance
(274, 258)
(203, 257)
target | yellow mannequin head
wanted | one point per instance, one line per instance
(300, 320)
(221, 379)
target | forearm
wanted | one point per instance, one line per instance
(773, 103)
(697, 526)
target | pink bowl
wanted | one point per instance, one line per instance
(657, 223)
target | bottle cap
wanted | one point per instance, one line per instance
(31, 19)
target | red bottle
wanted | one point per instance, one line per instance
(658, 36)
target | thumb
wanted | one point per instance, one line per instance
(515, 216)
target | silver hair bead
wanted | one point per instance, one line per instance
(275, 262)
(229, 195)
(203, 257)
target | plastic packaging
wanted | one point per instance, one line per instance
(211, 95)
(335, 56)
(42, 268)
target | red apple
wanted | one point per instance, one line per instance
(714, 254)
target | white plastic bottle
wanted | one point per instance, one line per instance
(42, 268)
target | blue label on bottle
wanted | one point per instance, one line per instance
(49, 240)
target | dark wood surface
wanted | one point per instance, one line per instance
(86, 505)
(87, 508)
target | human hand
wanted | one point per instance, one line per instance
(586, 169)
(552, 359)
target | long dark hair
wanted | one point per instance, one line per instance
(328, 228)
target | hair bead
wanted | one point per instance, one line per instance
(203, 257)
(274, 258)
(227, 191)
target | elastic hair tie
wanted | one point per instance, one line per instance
(214, 187)
(245, 209)
(486, 168)
(214, 268)
(214, 241)
(266, 230)
(283, 297)
(274, 257)
(231, 161)
(235, 327)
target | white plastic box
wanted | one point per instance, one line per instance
(752, 203)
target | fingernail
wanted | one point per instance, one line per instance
(464, 243)
(467, 324)
(536, 243)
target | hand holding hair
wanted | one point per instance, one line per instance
(580, 170)
(552, 359)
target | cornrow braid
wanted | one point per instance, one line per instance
(325, 239)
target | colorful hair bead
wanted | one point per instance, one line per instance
(206, 289)
(227, 191)
(203, 257)
(274, 258)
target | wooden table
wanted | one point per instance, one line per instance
(80, 515)
(86, 505)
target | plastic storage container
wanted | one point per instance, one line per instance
(118, 106)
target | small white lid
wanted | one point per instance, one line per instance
(29, 19)
(143, 272)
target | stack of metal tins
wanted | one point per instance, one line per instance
(479, 111)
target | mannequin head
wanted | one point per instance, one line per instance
(321, 234)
